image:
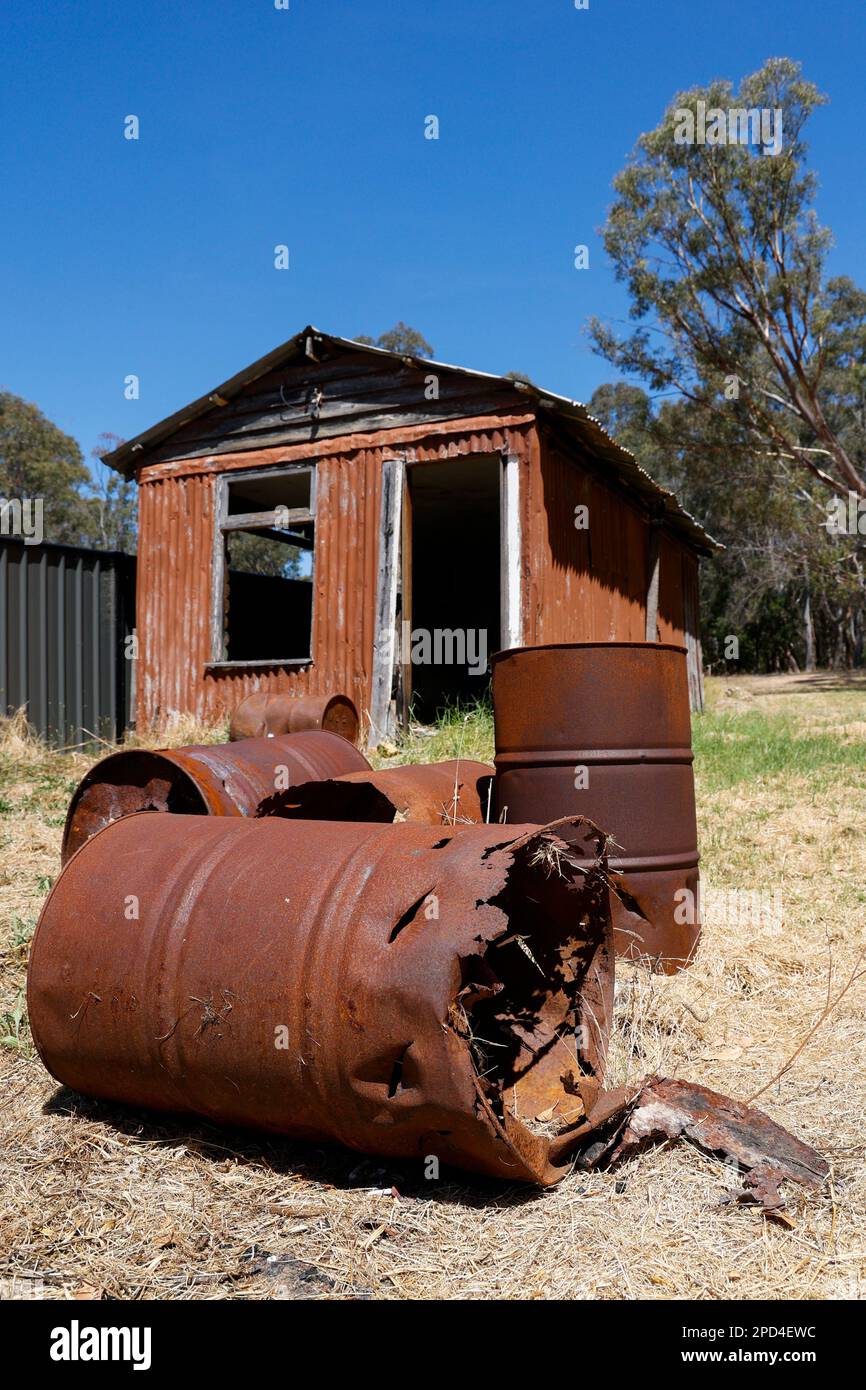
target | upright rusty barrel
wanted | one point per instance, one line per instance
(603, 729)
(264, 715)
(218, 779)
(406, 990)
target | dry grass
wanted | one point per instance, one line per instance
(98, 1200)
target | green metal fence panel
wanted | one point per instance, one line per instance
(66, 615)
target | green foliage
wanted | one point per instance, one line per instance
(258, 555)
(38, 460)
(724, 258)
(760, 364)
(14, 1032)
(401, 338)
(776, 551)
(114, 501)
(520, 376)
(89, 507)
(461, 730)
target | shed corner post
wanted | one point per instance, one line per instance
(382, 714)
(692, 623)
(510, 587)
(651, 633)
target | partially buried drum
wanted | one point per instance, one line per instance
(604, 730)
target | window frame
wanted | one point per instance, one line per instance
(224, 525)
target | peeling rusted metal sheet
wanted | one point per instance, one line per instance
(265, 714)
(402, 989)
(458, 792)
(665, 1109)
(220, 779)
(604, 730)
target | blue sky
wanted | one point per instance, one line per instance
(306, 127)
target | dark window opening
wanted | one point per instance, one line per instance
(265, 565)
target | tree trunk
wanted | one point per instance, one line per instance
(809, 631)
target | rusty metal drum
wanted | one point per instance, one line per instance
(457, 792)
(264, 715)
(406, 990)
(604, 730)
(218, 779)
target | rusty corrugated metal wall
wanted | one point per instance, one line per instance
(576, 584)
(590, 585)
(174, 598)
(580, 585)
(176, 524)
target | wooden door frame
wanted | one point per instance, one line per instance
(390, 514)
(395, 570)
(404, 651)
(510, 553)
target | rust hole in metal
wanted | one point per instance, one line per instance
(334, 799)
(629, 901)
(396, 1083)
(520, 1000)
(409, 916)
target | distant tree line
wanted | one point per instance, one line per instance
(755, 364)
(93, 507)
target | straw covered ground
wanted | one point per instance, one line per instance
(101, 1201)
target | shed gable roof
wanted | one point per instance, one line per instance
(317, 384)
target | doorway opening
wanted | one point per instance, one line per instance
(451, 583)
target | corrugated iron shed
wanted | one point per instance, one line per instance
(442, 497)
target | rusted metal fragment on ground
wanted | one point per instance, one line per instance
(266, 714)
(406, 990)
(603, 729)
(457, 792)
(220, 779)
(666, 1109)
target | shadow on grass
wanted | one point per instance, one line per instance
(327, 1164)
(831, 681)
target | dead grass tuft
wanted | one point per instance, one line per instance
(18, 741)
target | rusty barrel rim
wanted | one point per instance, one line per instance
(217, 779)
(586, 646)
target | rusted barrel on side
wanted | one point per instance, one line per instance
(458, 792)
(402, 989)
(220, 779)
(604, 730)
(264, 715)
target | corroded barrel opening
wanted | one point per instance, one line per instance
(124, 784)
(604, 730)
(219, 779)
(457, 792)
(403, 989)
